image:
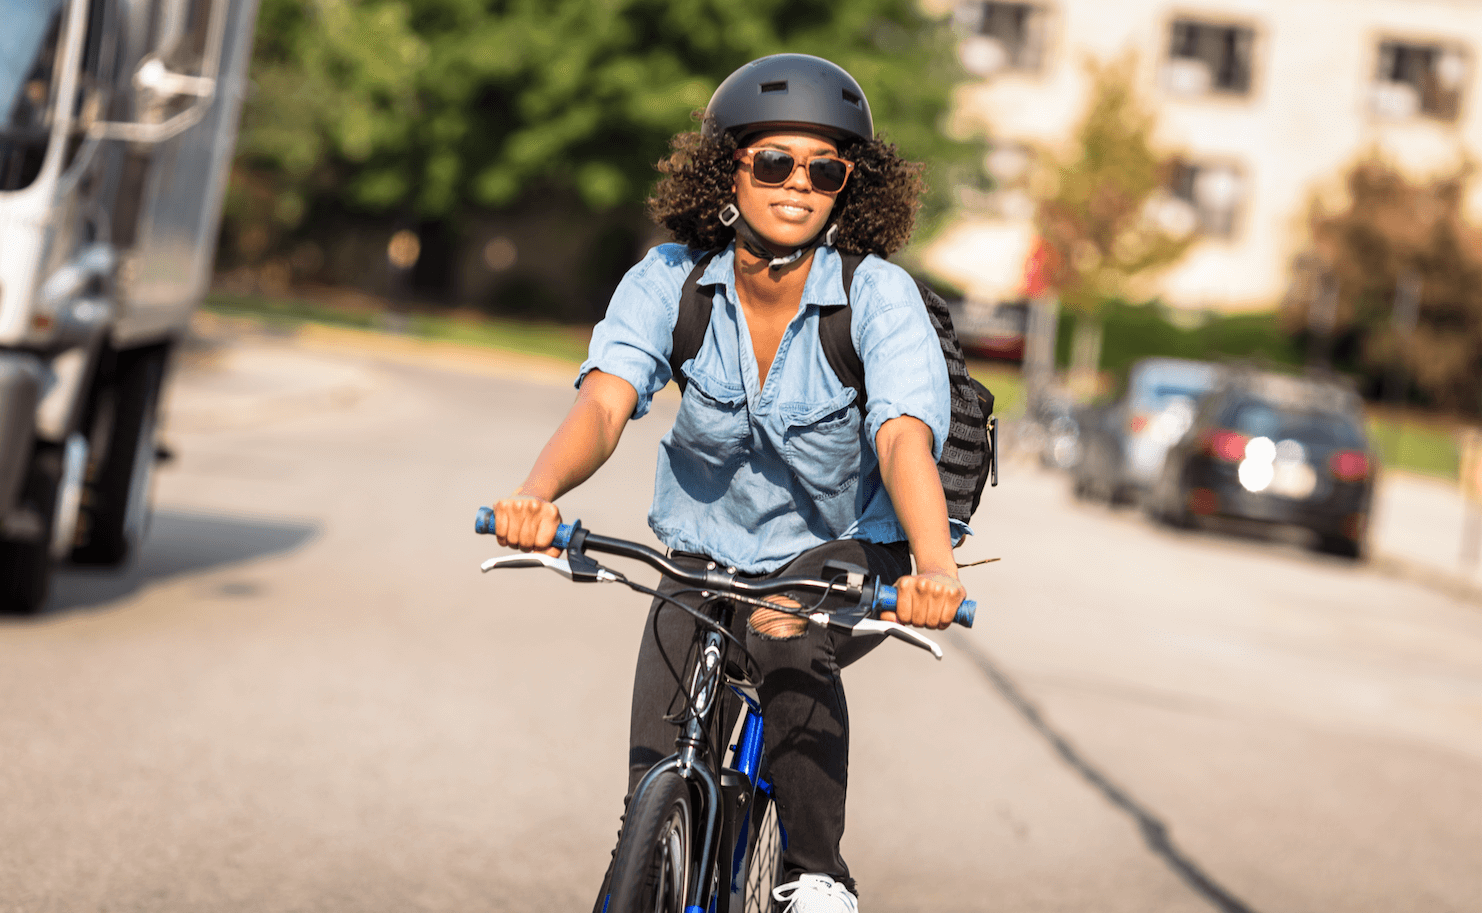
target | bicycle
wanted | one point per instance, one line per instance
(691, 813)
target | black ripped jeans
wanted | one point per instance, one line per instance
(807, 720)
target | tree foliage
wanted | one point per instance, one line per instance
(1393, 229)
(1098, 204)
(423, 108)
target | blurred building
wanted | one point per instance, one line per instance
(1264, 105)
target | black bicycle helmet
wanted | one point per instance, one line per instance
(789, 90)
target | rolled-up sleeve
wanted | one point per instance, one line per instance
(905, 372)
(634, 340)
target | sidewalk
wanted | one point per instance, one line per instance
(1417, 531)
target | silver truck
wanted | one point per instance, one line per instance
(118, 120)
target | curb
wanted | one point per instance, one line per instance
(1445, 582)
(453, 356)
(464, 358)
(412, 351)
(210, 332)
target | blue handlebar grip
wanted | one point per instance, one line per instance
(885, 599)
(965, 613)
(483, 522)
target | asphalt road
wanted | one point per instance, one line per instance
(303, 696)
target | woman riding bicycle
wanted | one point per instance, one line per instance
(771, 468)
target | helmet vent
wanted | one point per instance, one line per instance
(852, 99)
(778, 86)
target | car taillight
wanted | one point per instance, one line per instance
(1137, 423)
(1349, 466)
(1225, 445)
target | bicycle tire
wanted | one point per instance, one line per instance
(764, 857)
(652, 868)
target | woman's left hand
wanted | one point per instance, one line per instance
(927, 600)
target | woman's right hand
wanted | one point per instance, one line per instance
(527, 523)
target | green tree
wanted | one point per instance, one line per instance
(424, 108)
(1393, 237)
(1101, 206)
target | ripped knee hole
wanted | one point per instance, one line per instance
(778, 625)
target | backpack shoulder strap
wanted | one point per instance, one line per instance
(692, 322)
(835, 336)
(834, 332)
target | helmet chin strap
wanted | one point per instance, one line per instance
(730, 216)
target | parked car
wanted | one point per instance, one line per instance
(991, 330)
(1275, 449)
(1049, 430)
(1122, 442)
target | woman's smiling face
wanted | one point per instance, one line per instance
(790, 214)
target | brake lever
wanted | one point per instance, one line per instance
(560, 565)
(858, 623)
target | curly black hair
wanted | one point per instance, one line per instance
(875, 212)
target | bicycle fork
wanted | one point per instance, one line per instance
(686, 761)
(740, 785)
(716, 796)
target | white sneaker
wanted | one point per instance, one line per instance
(816, 894)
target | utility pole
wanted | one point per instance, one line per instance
(1404, 319)
(1322, 318)
(1471, 491)
(402, 253)
(1039, 350)
(1085, 356)
(1041, 328)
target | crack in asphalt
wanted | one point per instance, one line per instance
(1155, 833)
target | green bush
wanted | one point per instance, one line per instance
(1134, 331)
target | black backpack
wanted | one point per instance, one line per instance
(969, 453)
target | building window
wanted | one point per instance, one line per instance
(1001, 36)
(1415, 78)
(1000, 188)
(1206, 58)
(1213, 193)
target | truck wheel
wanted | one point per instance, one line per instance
(26, 564)
(115, 501)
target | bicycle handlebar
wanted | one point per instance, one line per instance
(884, 595)
(885, 598)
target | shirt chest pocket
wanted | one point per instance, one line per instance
(822, 444)
(713, 424)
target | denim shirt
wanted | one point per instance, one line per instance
(752, 473)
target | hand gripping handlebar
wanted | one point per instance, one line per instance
(885, 595)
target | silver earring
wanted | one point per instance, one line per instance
(831, 234)
(729, 214)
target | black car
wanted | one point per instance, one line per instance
(1275, 449)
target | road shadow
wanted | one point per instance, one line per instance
(1287, 540)
(179, 542)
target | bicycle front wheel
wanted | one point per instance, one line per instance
(651, 871)
(764, 856)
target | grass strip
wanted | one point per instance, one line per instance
(1415, 447)
(553, 340)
